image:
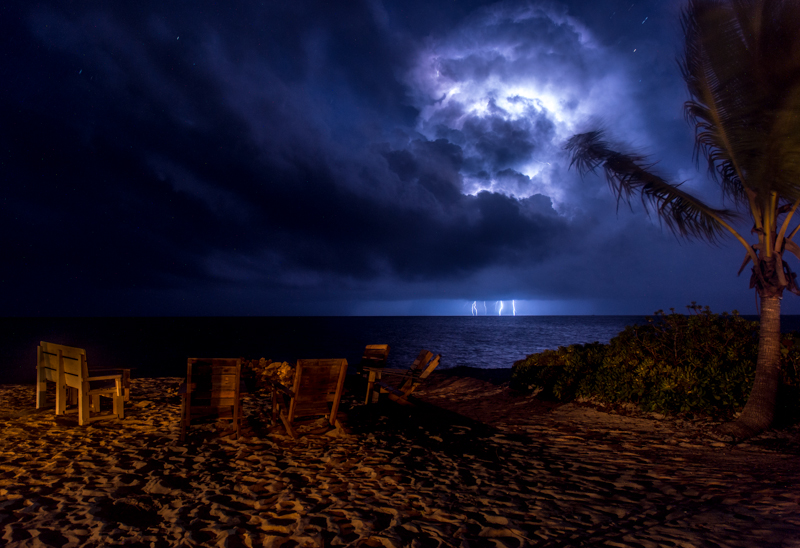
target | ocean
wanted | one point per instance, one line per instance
(159, 347)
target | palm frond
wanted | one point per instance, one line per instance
(741, 64)
(711, 67)
(628, 173)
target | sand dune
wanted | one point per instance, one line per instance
(476, 466)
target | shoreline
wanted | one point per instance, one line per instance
(471, 465)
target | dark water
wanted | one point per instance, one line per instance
(158, 347)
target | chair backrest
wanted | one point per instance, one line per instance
(213, 382)
(429, 367)
(420, 369)
(73, 360)
(375, 355)
(421, 360)
(318, 386)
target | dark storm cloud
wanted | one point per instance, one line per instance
(157, 147)
(216, 158)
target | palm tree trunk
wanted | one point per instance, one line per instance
(759, 411)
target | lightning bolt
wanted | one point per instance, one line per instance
(484, 307)
(500, 312)
(514, 307)
(474, 308)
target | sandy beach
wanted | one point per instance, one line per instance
(473, 465)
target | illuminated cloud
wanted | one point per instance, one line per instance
(508, 87)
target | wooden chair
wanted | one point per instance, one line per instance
(212, 388)
(409, 380)
(375, 355)
(66, 366)
(126, 378)
(316, 391)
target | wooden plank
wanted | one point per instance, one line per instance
(71, 365)
(389, 388)
(322, 393)
(102, 391)
(49, 373)
(339, 389)
(317, 389)
(223, 401)
(41, 379)
(307, 409)
(214, 390)
(224, 383)
(105, 378)
(288, 425)
(430, 367)
(61, 387)
(69, 352)
(375, 354)
(201, 394)
(423, 358)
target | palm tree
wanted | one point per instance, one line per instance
(741, 64)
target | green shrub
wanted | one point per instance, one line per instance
(560, 374)
(701, 362)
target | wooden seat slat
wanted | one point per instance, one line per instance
(102, 391)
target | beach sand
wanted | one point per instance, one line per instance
(473, 465)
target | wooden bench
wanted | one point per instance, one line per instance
(66, 366)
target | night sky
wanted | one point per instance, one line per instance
(365, 157)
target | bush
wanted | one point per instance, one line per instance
(701, 362)
(559, 374)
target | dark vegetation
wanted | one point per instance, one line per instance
(700, 363)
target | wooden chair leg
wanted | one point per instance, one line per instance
(184, 419)
(83, 407)
(41, 393)
(41, 381)
(288, 425)
(61, 387)
(126, 384)
(61, 399)
(370, 385)
(340, 428)
(275, 397)
(95, 403)
(119, 406)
